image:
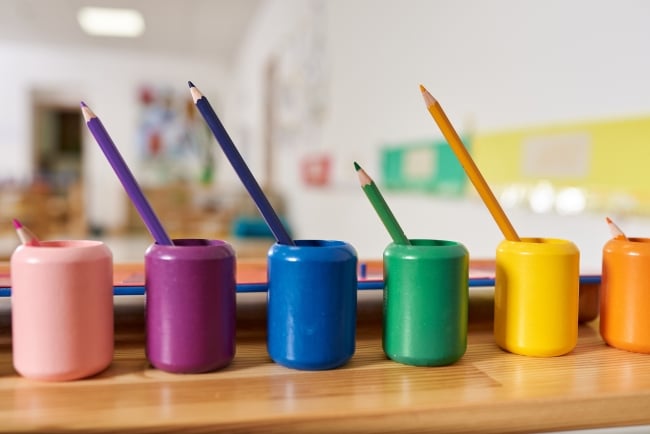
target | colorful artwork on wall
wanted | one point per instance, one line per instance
(174, 144)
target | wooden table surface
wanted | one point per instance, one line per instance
(487, 391)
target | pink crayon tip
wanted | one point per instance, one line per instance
(17, 224)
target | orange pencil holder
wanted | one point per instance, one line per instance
(625, 294)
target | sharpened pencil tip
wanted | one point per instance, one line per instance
(190, 84)
(194, 91)
(364, 178)
(429, 100)
(17, 224)
(86, 112)
(608, 220)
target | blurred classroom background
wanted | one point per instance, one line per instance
(552, 98)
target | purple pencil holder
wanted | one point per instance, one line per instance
(190, 305)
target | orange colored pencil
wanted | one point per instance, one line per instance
(617, 233)
(468, 164)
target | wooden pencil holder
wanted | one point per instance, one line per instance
(62, 309)
(190, 305)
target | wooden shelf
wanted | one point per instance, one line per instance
(489, 390)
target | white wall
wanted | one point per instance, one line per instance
(496, 64)
(108, 82)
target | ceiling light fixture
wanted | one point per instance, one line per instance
(126, 23)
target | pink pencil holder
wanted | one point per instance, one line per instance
(62, 309)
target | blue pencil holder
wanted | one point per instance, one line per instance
(312, 304)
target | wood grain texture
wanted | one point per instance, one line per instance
(488, 391)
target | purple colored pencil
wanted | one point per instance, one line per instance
(125, 176)
(268, 213)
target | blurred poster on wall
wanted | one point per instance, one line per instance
(174, 143)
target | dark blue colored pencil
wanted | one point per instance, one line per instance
(268, 213)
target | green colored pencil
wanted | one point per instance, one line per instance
(377, 201)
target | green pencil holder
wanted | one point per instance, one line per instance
(426, 297)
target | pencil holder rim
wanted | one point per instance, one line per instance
(630, 240)
(313, 250)
(64, 244)
(537, 245)
(191, 248)
(420, 249)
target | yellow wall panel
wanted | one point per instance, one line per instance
(609, 159)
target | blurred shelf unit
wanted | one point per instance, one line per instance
(46, 212)
(189, 210)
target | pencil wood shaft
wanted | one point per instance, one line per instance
(381, 207)
(615, 230)
(239, 165)
(125, 176)
(385, 214)
(470, 167)
(26, 236)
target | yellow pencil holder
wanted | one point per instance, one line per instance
(536, 296)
